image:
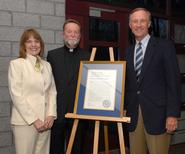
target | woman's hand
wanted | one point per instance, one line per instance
(48, 123)
(39, 125)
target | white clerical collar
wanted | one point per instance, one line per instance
(71, 49)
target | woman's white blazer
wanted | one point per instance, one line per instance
(33, 92)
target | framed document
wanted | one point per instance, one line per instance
(100, 89)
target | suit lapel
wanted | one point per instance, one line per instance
(148, 57)
(130, 59)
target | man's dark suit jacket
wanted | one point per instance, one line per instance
(65, 67)
(158, 91)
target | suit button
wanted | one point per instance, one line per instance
(138, 92)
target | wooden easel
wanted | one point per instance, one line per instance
(97, 120)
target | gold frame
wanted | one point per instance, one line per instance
(121, 76)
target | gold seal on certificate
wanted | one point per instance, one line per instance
(106, 103)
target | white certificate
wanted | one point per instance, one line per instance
(100, 89)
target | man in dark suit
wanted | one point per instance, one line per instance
(65, 63)
(152, 95)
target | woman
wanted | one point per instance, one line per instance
(33, 94)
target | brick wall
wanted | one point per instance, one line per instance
(47, 16)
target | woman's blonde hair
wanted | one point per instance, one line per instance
(25, 36)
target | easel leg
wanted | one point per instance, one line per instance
(106, 138)
(72, 137)
(121, 138)
(96, 137)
